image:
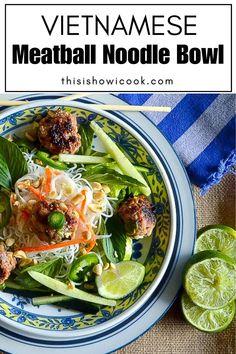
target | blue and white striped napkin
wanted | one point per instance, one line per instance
(200, 127)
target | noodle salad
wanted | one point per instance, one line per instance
(68, 214)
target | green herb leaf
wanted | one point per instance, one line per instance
(114, 246)
(118, 192)
(86, 134)
(105, 175)
(2, 286)
(5, 209)
(11, 156)
(107, 245)
(50, 268)
(109, 250)
(14, 287)
(122, 161)
(25, 281)
(24, 144)
(108, 173)
(5, 176)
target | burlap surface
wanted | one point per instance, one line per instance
(173, 335)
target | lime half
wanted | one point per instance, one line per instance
(207, 320)
(120, 280)
(210, 279)
(217, 237)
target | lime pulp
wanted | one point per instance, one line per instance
(207, 320)
(219, 238)
(210, 279)
(120, 279)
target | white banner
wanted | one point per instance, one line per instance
(139, 48)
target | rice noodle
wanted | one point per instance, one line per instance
(33, 167)
(67, 253)
(100, 237)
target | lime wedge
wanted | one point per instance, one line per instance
(210, 279)
(128, 249)
(120, 280)
(207, 320)
(217, 237)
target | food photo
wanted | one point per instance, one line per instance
(108, 229)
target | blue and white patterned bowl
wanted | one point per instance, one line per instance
(155, 252)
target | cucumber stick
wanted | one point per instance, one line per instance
(67, 158)
(46, 300)
(138, 168)
(67, 302)
(63, 288)
(124, 164)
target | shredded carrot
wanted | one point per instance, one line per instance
(81, 210)
(54, 246)
(78, 211)
(36, 192)
(91, 243)
(82, 216)
(48, 180)
(83, 204)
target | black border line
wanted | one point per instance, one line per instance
(129, 91)
(5, 47)
(231, 46)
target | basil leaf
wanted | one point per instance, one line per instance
(5, 209)
(50, 268)
(86, 134)
(109, 250)
(14, 159)
(24, 144)
(13, 288)
(25, 281)
(114, 246)
(5, 176)
(105, 175)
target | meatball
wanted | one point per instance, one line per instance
(40, 225)
(7, 264)
(138, 217)
(58, 132)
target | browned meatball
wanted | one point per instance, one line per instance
(58, 132)
(7, 264)
(39, 220)
(138, 217)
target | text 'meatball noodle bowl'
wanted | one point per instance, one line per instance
(88, 220)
